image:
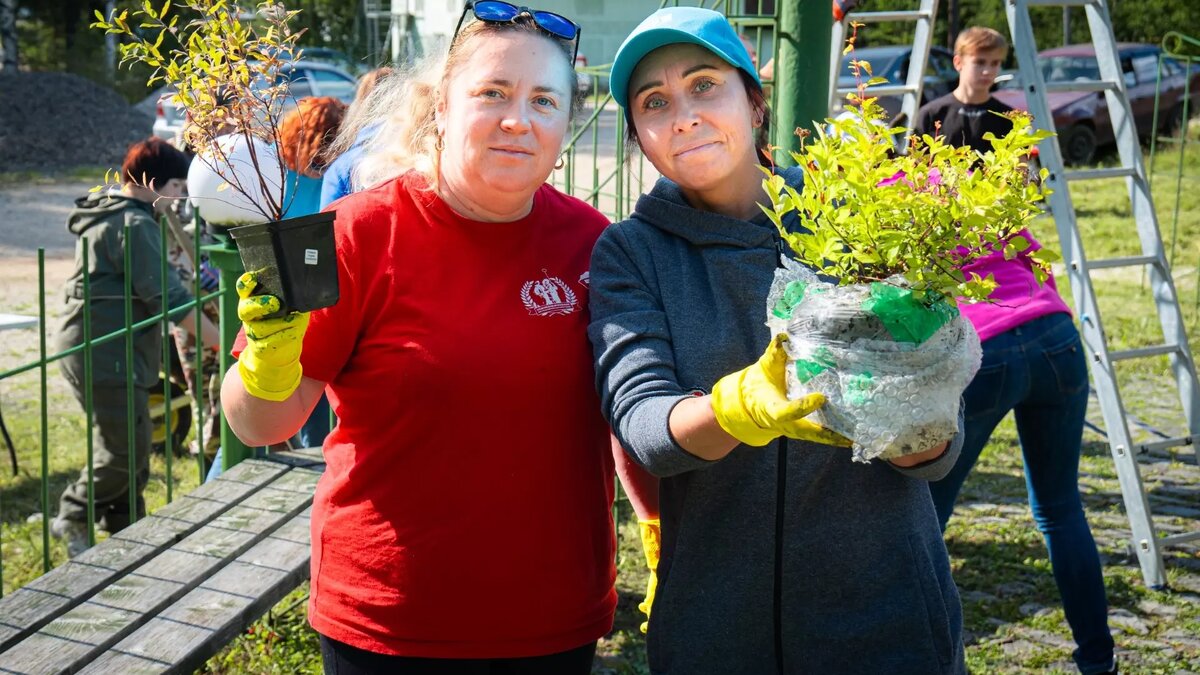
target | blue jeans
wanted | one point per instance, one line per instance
(1038, 371)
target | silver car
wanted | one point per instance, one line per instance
(305, 78)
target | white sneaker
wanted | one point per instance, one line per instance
(73, 532)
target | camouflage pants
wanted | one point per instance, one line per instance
(110, 460)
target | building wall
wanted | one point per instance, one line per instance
(605, 23)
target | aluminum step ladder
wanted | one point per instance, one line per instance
(1145, 540)
(910, 91)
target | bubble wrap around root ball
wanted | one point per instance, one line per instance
(891, 398)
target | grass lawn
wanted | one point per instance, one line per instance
(1014, 623)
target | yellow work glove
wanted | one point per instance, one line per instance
(270, 363)
(751, 405)
(651, 546)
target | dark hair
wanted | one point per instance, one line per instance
(153, 161)
(758, 104)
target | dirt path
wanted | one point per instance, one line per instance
(33, 215)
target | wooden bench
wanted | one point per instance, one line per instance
(165, 594)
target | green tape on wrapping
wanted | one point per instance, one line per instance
(807, 369)
(906, 318)
(793, 293)
(857, 389)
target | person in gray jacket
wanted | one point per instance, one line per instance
(153, 175)
(779, 554)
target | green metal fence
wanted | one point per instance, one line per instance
(42, 367)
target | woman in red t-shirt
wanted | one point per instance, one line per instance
(463, 523)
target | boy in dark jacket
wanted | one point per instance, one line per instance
(964, 115)
(153, 175)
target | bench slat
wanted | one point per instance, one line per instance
(195, 628)
(29, 608)
(150, 588)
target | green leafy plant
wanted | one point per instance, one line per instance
(872, 214)
(225, 68)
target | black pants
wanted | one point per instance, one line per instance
(342, 659)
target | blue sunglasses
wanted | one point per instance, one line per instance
(495, 11)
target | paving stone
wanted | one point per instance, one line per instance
(1153, 646)
(1018, 648)
(1157, 609)
(989, 520)
(1127, 621)
(1014, 588)
(1176, 511)
(1047, 638)
(978, 597)
(1034, 609)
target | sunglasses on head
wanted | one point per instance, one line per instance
(496, 11)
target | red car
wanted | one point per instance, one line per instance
(1081, 118)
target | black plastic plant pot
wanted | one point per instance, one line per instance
(295, 260)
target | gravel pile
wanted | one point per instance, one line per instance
(52, 121)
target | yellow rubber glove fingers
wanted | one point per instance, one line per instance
(277, 341)
(733, 415)
(651, 532)
(253, 307)
(270, 363)
(752, 406)
(773, 363)
(790, 419)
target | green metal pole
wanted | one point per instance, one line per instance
(224, 256)
(801, 73)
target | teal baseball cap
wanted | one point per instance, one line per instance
(675, 25)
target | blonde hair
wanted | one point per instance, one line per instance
(978, 39)
(403, 106)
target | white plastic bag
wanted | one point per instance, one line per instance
(890, 397)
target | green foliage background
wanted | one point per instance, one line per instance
(54, 36)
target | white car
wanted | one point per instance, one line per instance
(305, 78)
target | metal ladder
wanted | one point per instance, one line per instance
(1145, 542)
(910, 91)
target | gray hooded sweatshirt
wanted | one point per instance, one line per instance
(788, 558)
(101, 219)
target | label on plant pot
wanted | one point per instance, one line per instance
(310, 256)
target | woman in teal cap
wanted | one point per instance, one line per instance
(779, 555)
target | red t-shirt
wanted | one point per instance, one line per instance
(465, 510)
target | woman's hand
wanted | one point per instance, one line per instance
(752, 406)
(270, 365)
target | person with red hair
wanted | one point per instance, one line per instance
(305, 135)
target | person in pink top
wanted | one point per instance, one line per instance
(1033, 365)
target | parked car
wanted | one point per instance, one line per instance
(336, 58)
(1082, 118)
(305, 78)
(891, 62)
